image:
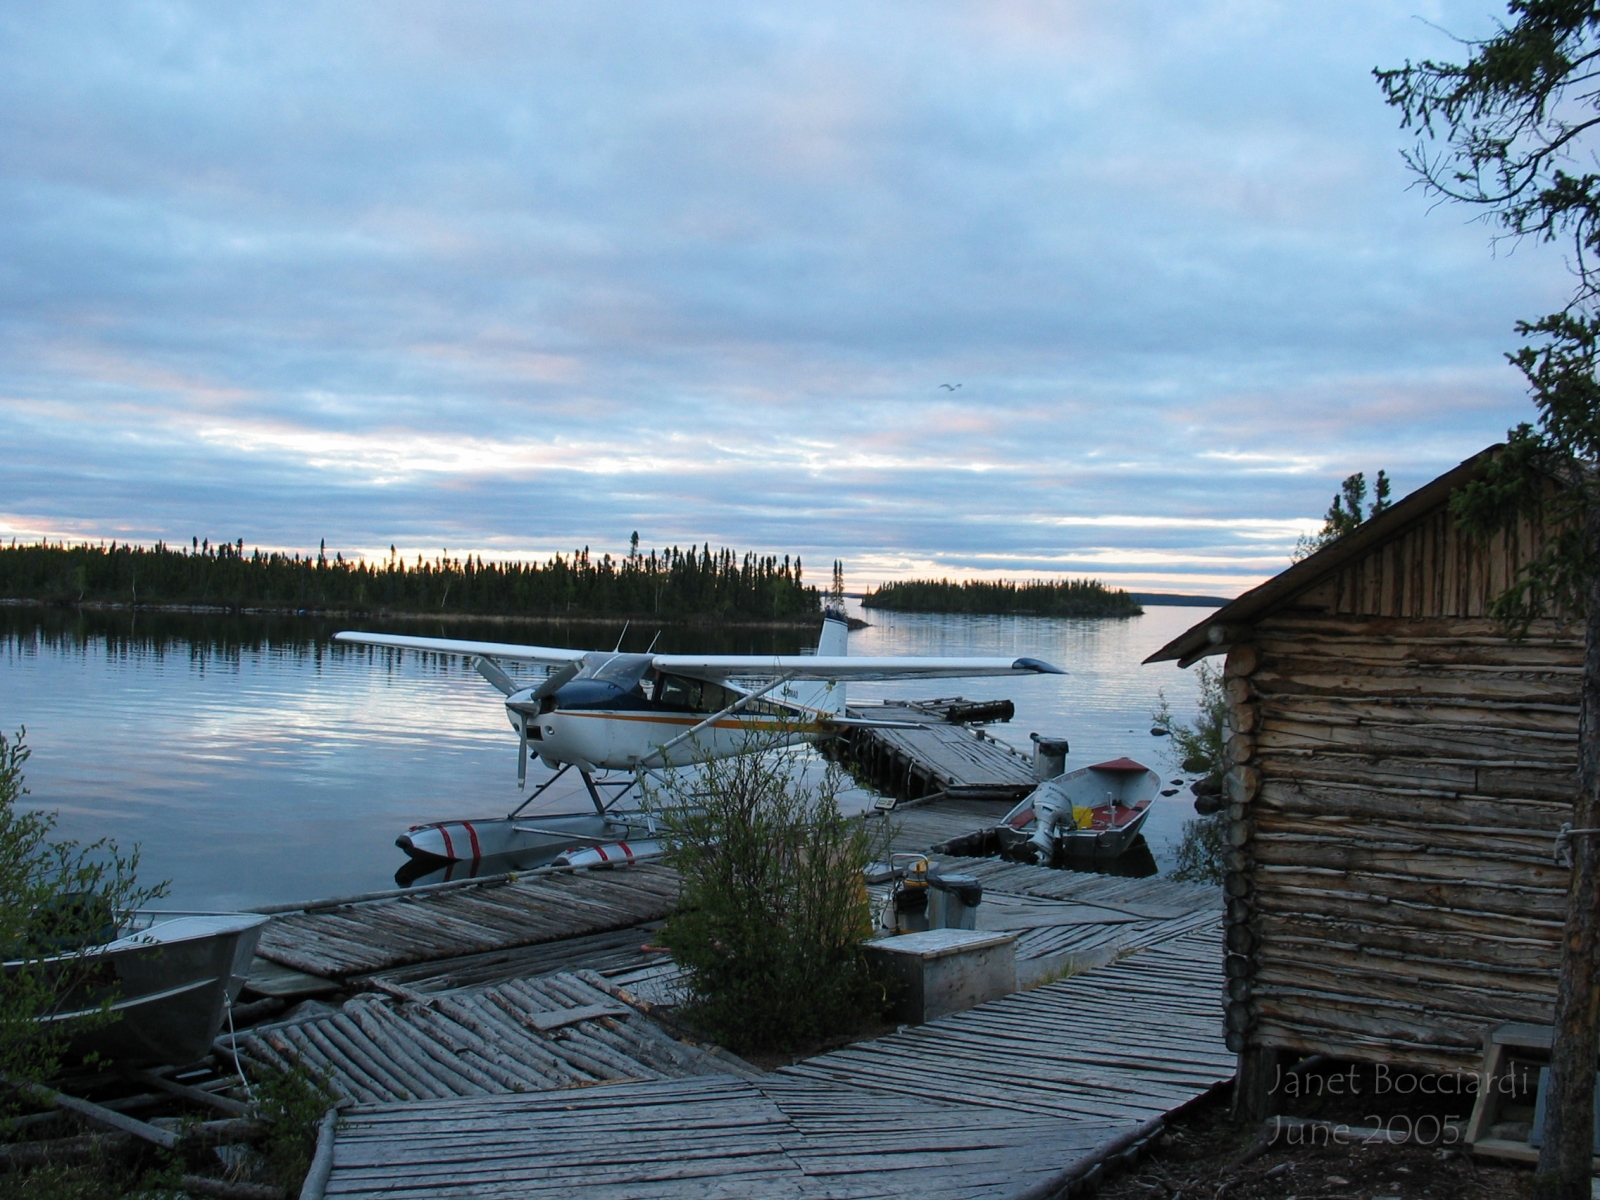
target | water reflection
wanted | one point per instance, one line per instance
(416, 873)
(255, 761)
(206, 637)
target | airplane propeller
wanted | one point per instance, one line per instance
(522, 754)
(528, 707)
(491, 671)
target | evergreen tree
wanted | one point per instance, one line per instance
(1071, 598)
(1517, 124)
(668, 584)
(1345, 514)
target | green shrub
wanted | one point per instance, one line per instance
(1200, 849)
(55, 897)
(773, 907)
(1201, 749)
(294, 1101)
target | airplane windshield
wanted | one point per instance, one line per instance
(624, 670)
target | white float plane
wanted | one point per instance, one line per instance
(601, 710)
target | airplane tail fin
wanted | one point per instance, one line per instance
(835, 639)
(818, 694)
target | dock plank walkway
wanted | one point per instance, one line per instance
(560, 1031)
(953, 759)
(546, 905)
(711, 1137)
(612, 951)
(601, 920)
(992, 1102)
(1070, 921)
(920, 827)
(1133, 1039)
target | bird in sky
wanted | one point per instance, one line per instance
(950, 386)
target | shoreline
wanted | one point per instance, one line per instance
(222, 610)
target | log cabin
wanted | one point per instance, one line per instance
(1400, 767)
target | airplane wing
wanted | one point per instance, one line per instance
(718, 667)
(549, 655)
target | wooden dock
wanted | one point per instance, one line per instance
(921, 827)
(1010, 1098)
(502, 1041)
(952, 760)
(1068, 921)
(1065, 922)
(545, 922)
(524, 1035)
(1132, 1040)
(336, 940)
(615, 951)
(717, 1137)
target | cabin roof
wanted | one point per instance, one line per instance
(1210, 635)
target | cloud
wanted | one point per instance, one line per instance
(518, 278)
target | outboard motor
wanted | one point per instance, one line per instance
(1051, 806)
(1049, 757)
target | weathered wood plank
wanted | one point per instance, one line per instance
(932, 1112)
(1415, 859)
(382, 934)
(1506, 899)
(1433, 807)
(1530, 781)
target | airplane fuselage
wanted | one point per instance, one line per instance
(623, 717)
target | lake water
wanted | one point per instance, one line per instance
(254, 761)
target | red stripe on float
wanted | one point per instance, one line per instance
(601, 851)
(625, 849)
(449, 849)
(473, 834)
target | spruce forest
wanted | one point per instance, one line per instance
(1073, 598)
(673, 584)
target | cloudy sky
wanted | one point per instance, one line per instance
(511, 278)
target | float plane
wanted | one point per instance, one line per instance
(600, 710)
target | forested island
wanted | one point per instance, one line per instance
(1073, 598)
(671, 584)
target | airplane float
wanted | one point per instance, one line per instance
(598, 711)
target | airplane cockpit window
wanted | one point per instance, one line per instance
(703, 696)
(678, 691)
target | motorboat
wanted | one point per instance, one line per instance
(167, 985)
(1095, 812)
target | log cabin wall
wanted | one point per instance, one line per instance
(1400, 770)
